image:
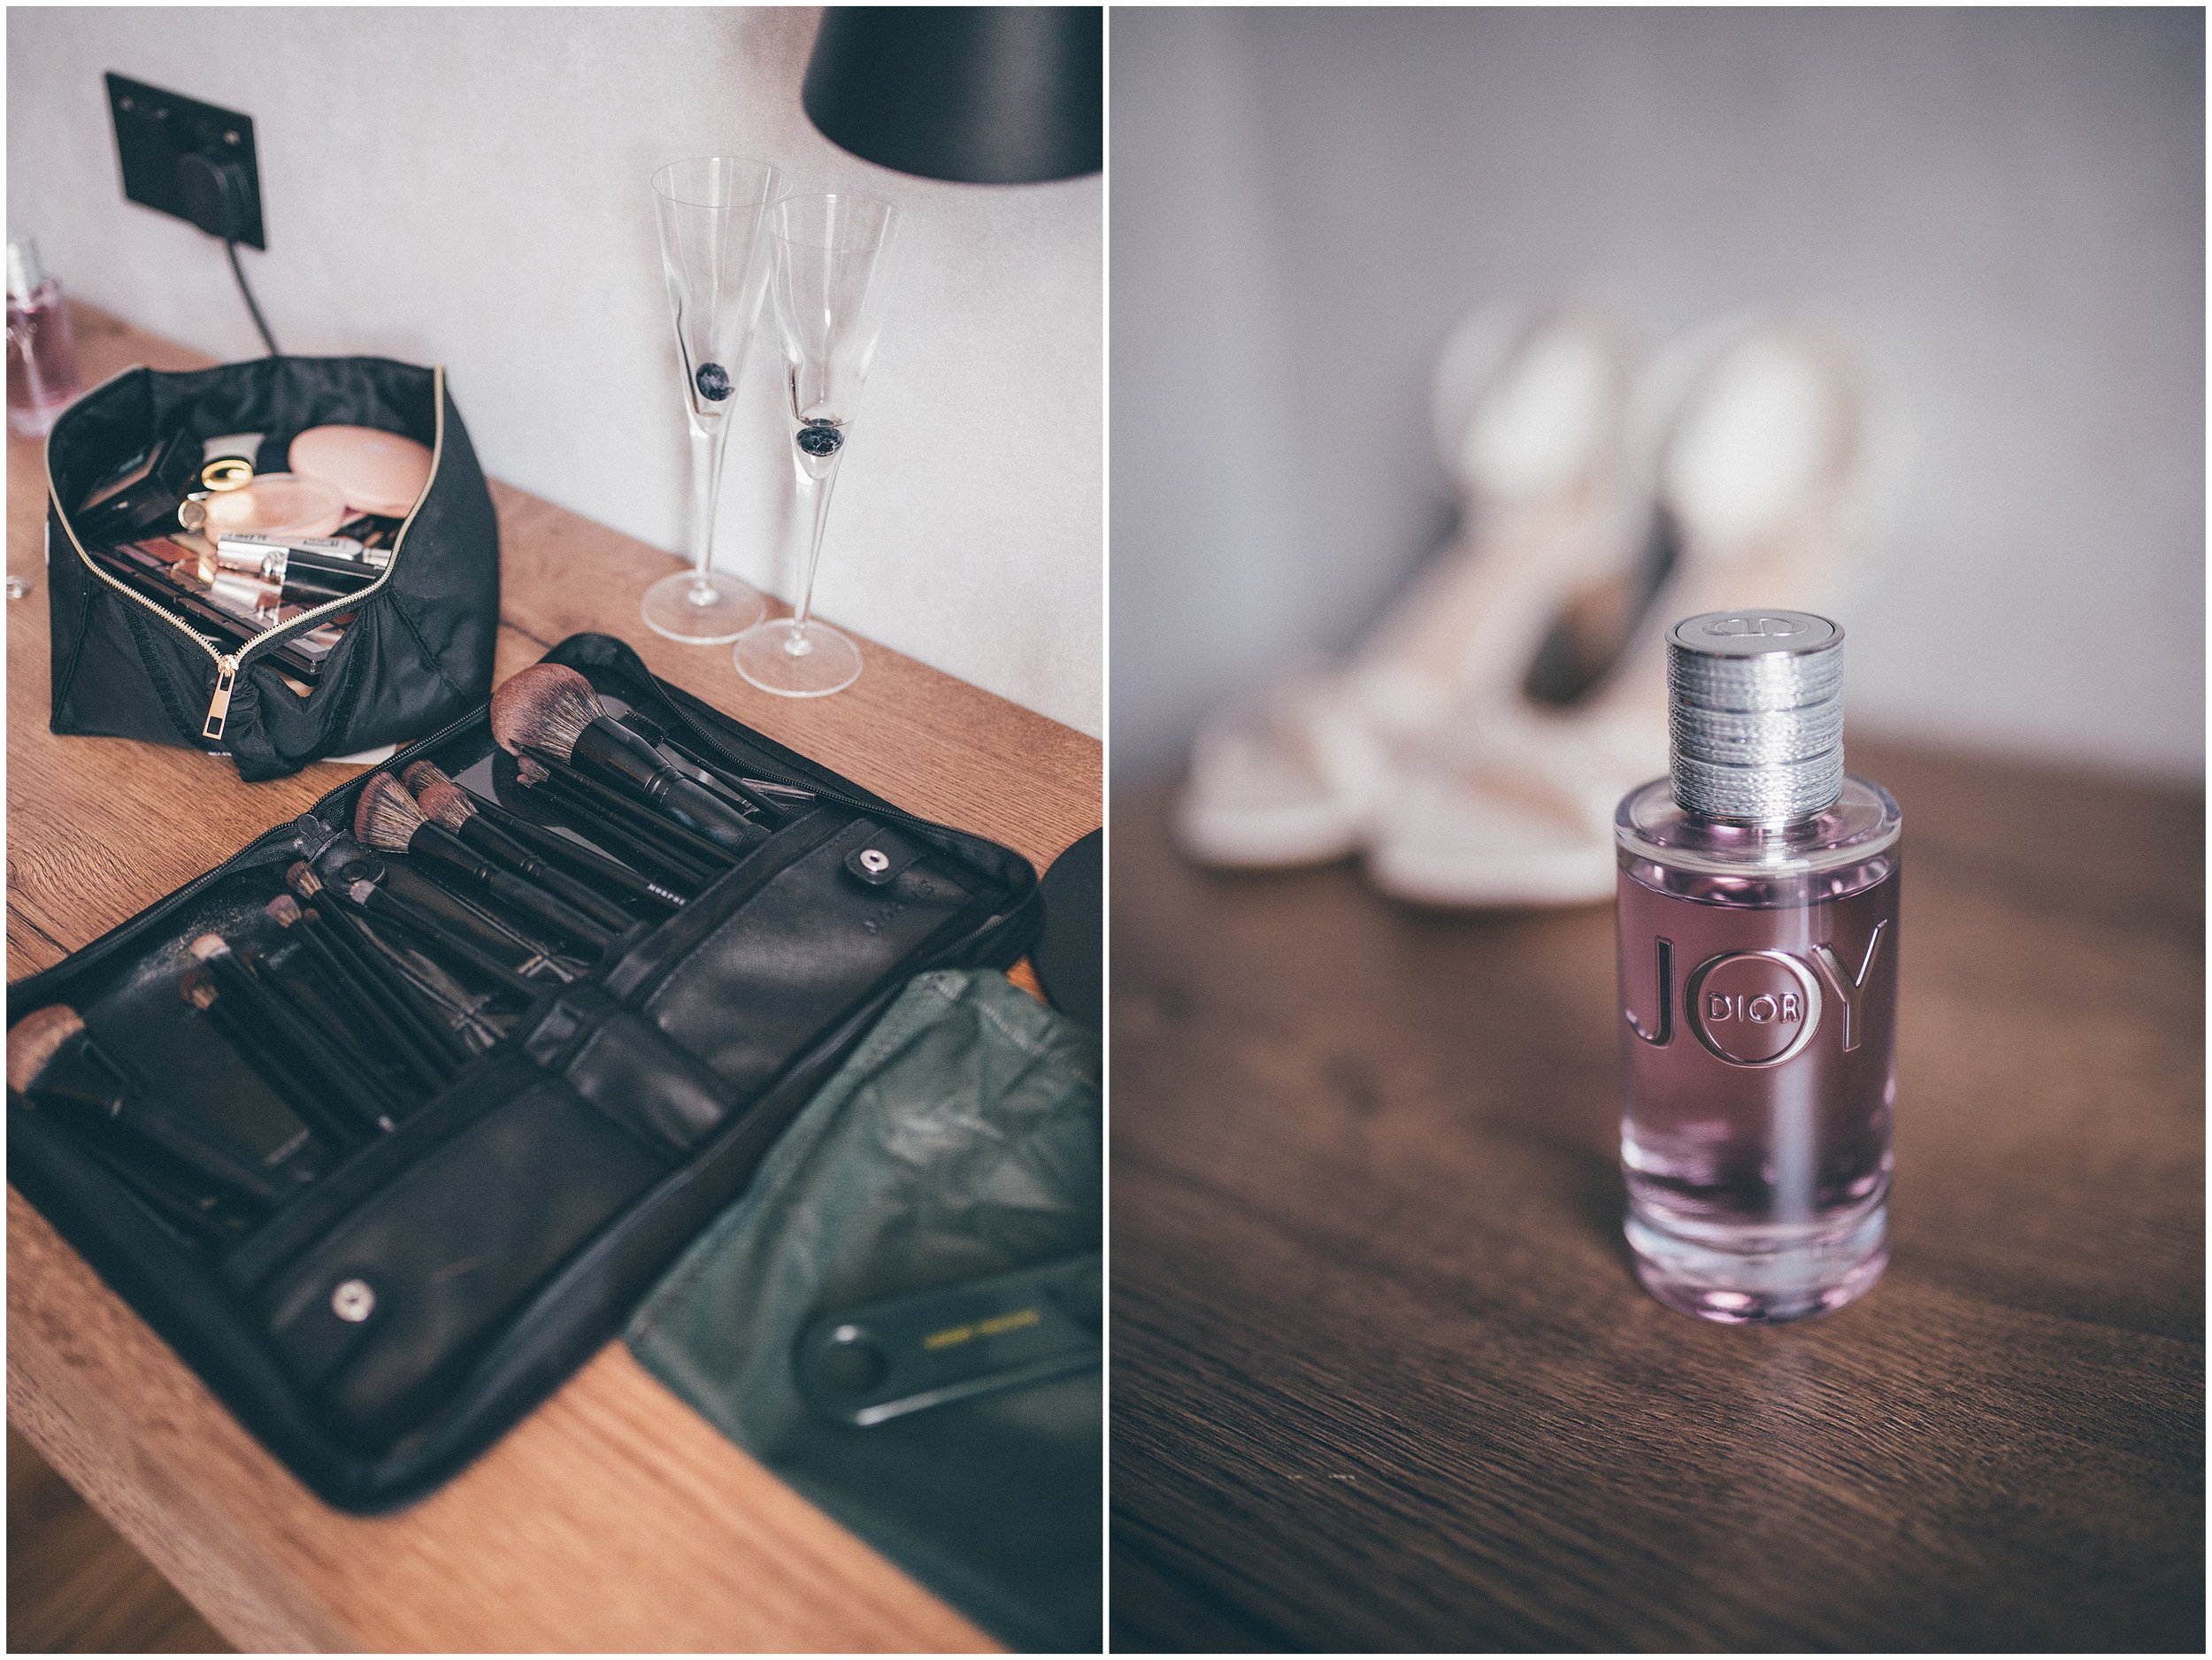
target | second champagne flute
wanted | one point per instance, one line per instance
(830, 254)
(710, 211)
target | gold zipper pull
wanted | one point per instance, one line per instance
(218, 709)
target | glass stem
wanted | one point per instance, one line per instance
(706, 499)
(823, 482)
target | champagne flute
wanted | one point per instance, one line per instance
(710, 211)
(831, 259)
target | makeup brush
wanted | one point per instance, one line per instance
(360, 998)
(422, 1014)
(605, 801)
(53, 1060)
(340, 1069)
(502, 937)
(746, 792)
(602, 803)
(553, 709)
(339, 563)
(447, 805)
(614, 820)
(335, 927)
(386, 817)
(295, 1091)
(376, 901)
(425, 778)
(352, 963)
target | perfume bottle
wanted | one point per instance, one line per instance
(41, 356)
(1758, 972)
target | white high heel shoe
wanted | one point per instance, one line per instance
(1753, 435)
(1527, 410)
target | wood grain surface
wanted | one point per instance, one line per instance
(613, 1517)
(1382, 1377)
(75, 1584)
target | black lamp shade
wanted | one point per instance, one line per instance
(980, 94)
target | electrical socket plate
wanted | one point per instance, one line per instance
(154, 130)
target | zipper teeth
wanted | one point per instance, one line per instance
(306, 619)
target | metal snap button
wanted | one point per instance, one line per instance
(874, 861)
(353, 1302)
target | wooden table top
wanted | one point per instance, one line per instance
(1382, 1377)
(613, 1517)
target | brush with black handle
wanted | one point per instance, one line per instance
(376, 900)
(362, 999)
(387, 819)
(53, 1061)
(615, 821)
(365, 977)
(552, 709)
(447, 805)
(327, 1053)
(336, 928)
(603, 802)
(346, 861)
(430, 785)
(774, 799)
(299, 1090)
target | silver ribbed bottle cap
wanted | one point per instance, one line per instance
(25, 275)
(1755, 714)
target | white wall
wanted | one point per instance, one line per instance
(2005, 206)
(469, 186)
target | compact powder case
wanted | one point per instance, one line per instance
(378, 472)
(273, 504)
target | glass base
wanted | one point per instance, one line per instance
(701, 613)
(828, 662)
(1762, 1281)
(36, 420)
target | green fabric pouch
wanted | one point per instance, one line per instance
(959, 1144)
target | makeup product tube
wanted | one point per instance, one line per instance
(1758, 918)
(270, 556)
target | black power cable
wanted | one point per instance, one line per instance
(230, 247)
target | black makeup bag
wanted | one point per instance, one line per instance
(418, 651)
(406, 1301)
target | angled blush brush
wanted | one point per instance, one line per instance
(423, 777)
(552, 709)
(447, 805)
(387, 819)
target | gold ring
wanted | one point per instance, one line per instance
(227, 473)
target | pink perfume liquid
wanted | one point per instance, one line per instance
(42, 355)
(1758, 989)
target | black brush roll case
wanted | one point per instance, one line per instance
(505, 1229)
(419, 652)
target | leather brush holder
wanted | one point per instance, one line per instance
(564, 1114)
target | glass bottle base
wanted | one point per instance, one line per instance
(36, 420)
(777, 658)
(1755, 1279)
(681, 607)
